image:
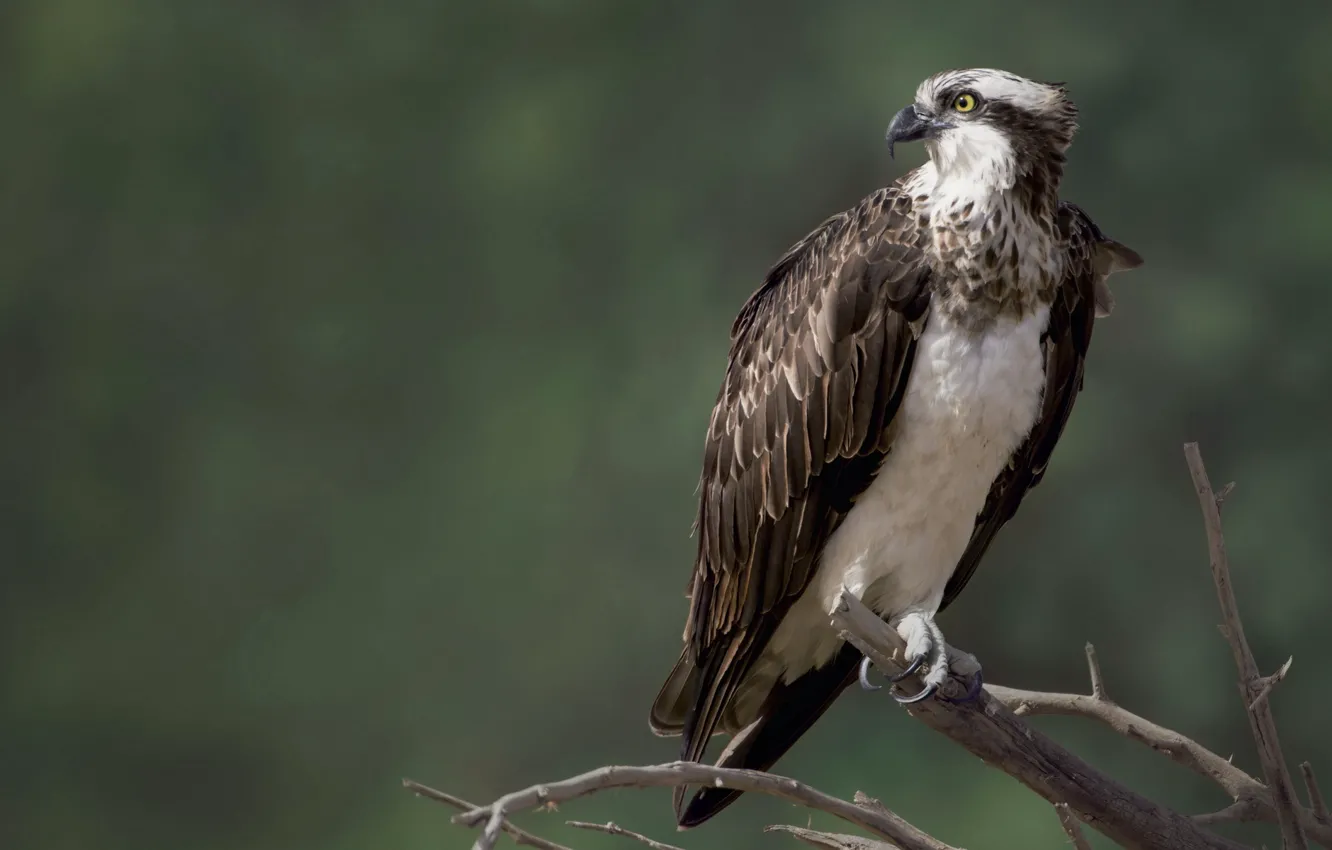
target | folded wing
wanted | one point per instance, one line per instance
(818, 365)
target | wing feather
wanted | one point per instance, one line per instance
(818, 356)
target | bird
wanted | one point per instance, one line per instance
(893, 389)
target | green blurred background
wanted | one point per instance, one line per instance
(356, 359)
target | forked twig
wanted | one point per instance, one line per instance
(888, 826)
(1261, 721)
(521, 836)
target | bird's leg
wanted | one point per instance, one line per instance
(925, 650)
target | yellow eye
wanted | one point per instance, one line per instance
(964, 102)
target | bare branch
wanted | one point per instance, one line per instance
(1181, 749)
(521, 836)
(1094, 670)
(1315, 794)
(612, 828)
(888, 826)
(998, 736)
(1261, 721)
(1069, 821)
(831, 840)
(1187, 752)
(1242, 811)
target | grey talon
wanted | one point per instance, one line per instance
(926, 693)
(911, 670)
(864, 676)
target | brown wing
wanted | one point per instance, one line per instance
(818, 362)
(1082, 296)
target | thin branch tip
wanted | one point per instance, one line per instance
(1072, 827)
(1315, 793)
(520, 836)
(613, 828)
(1261, 722)
(1094, 672)
(1266, 684)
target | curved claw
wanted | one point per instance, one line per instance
(910, 671)
(973, 690)
(864, 676)
(926, 693)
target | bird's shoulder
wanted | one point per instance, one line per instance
(877, 242)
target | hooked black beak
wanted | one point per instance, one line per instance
(910, 126)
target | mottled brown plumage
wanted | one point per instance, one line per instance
(819, 363)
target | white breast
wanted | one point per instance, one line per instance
(970, 401)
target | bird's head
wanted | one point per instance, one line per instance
(986, 124)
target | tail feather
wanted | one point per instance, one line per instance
(787, 714)
(716, 685)
(671, 706)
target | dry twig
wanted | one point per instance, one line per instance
(1315, 794)
(1094, 671)
(1265, 684)
(612, 828)
(1069, 821)
(888, 826)
(831, 840)
(1261, 721)
(520, 836)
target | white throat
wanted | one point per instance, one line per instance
(967, 187)
(974, 155)
(972, 167)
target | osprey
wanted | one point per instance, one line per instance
(894, 388)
